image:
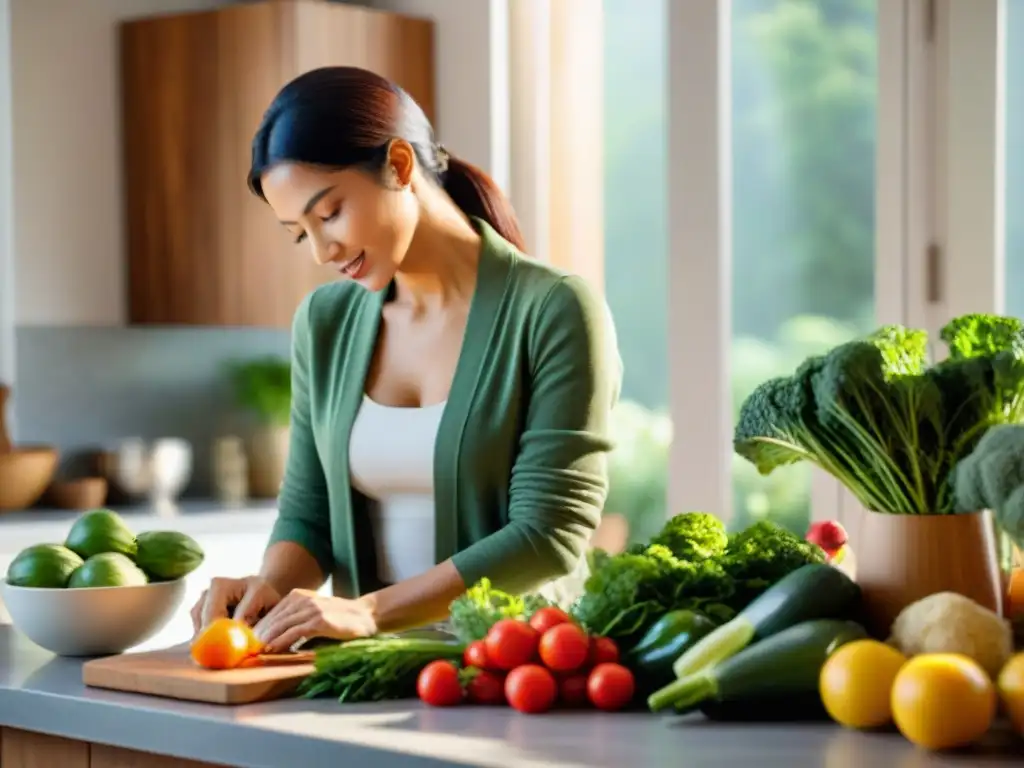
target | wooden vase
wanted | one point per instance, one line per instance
(267, 456)
(903, 558)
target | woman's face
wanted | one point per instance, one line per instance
(351, 221)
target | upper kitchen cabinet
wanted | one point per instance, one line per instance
(202, 250)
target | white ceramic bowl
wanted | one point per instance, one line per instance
(94, 621)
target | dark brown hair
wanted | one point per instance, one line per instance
(344, 117)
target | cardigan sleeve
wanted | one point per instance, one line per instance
(559, 477)
(303, 503)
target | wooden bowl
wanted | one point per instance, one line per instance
(25, 474)
(81, 493)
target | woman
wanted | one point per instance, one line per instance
(450, 397)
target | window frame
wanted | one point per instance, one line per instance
(969, 68)
(928, 232)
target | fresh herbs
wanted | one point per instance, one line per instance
(482, 606)
(888, 423)
(375, 669)
(691, 564)
(263, 386)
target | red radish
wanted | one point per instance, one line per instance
(829, 535)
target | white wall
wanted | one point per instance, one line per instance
(6, 241)
(66, 204)
(68, 223)
(471, 57)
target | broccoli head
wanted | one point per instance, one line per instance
(981, 335)
(620, 596)
(992, 477)
(628, 592)
(760, 555)
(904, 350)
(777, 423)
(693, 536)
(986, 477)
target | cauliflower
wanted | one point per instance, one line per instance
(947, 622)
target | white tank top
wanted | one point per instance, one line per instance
(391, 460)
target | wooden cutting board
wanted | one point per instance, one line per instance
(172, 674)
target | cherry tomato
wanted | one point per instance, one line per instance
(438, 684)
(610, 686)
(476, 655)
(564, 647)
(547, 617)
(603, 650)
(511, 643)
(531, 689)
(572, 690)
(486, 688)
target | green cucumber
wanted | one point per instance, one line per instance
(652, 658)
(787, 663)
(814, 591)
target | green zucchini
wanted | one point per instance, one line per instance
(652, 658)
(786, 664)
(814, 591)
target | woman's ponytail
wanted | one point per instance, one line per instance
(477, 195)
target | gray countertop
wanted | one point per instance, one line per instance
(44, 693)
(194, 517)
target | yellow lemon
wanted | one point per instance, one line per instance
(1011, 691)
(856, 683)
(943, 700)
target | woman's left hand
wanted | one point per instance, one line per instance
(304, 614)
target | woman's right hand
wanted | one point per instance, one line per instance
(250, 597)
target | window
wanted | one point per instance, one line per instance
(775, 174)
(636, 253)
(804, 95)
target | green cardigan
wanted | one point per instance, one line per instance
(520, 461)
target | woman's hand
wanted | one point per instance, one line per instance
(250, 597)
(304, 614)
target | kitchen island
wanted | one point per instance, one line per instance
(48, 718)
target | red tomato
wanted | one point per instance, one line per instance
(531, 689)
(476, 655)
(564, 647)
(572, 690)
(603, 650)
(438, 684)
(486, 688)
(511, 643)
(546, 618)
(610, 686)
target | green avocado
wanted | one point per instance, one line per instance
(44, 566)
(168, 555)
(100, 531)
(108, 569)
